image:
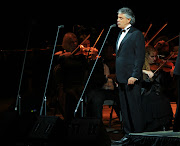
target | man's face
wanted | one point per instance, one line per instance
(122, 21)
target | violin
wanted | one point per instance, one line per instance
(88, 52)
(165, 63)
(166, 67)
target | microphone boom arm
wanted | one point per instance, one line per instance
(81, 98)
(44, 98)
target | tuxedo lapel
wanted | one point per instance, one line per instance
(118, 40)
(126, 37)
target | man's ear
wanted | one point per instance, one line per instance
(129, 20)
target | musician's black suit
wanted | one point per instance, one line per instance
(176, 126)
(130, 58)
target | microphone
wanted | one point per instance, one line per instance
(61, 26)
(113, 25)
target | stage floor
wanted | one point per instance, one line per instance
(113, 130)
(168, 138)
(167, 134)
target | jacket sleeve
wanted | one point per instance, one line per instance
(139, 55)
(177, 65)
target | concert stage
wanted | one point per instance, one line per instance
(18, 127)
(163, 138)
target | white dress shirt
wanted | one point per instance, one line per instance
(123, 34)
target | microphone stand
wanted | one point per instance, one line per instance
(81, 98)
(44, 97)
(18, 99)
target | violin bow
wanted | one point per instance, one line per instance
(156, 34)
(98, 38)
(148, 30)
(173, 38)
(80, 44)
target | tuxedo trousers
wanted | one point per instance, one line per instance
(131, 107)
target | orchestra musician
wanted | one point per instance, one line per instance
(130, 56)
(156, 106)
(164, 51)
(70, 74)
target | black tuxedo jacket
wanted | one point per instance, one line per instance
(130, 56)
(177, 65)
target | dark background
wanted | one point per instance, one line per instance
(42, 19)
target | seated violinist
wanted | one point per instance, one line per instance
(71, 73)
(164, 52)
(157, 108)
(69, 76)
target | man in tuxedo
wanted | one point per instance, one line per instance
(130, 56)
(176, 126)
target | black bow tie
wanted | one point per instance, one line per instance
(124, 30)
